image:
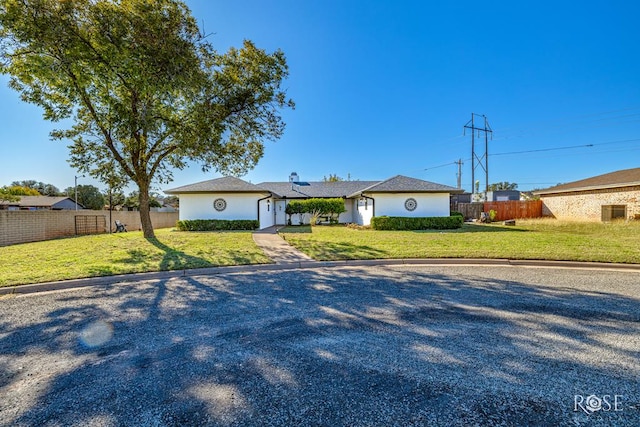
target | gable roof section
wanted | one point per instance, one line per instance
(621, 178)
(319, 189)
(227, 184)
(405, 184)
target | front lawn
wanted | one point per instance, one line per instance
(105, 255)
(530, 239)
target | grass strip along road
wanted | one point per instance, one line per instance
(109, 254)
(104, 255)
(532, 239)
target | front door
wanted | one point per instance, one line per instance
(281, 216)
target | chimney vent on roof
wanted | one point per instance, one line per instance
(294, 177)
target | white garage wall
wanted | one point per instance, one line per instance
(429, 204)
(200, 206)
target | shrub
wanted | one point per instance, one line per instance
(317, 207)
(295, 207)
(456, 213)
(416, 223)
(217, 224)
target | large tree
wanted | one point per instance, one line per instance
(145, 89)
(89, 196)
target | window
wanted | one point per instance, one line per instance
(611, 212)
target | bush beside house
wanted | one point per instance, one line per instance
(217, 225)
(417, 223)
(317, 207)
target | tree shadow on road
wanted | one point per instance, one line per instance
(349, 346)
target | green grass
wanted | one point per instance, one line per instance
(104, 255)
(529, 239)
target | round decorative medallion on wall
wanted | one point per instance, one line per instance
(220, 204)
(410, 204)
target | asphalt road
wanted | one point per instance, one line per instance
(356, 346)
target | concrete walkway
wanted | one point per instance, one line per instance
(276, 248)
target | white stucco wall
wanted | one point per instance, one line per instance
(267, 213)
(429, 204)
(200, 206)
(363, 211)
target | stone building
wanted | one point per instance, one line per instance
(614, 195)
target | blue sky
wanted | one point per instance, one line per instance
(385, 88)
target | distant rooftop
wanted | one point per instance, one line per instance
(621, 178)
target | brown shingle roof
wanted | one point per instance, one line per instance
(622, 178)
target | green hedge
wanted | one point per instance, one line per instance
(420, 223)
(217, 224)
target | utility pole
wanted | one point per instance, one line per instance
(459, 174)
(476, 158)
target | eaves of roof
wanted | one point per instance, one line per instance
(586, 188)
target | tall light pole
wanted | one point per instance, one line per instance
(76, 189)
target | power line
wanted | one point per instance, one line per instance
(565, 147)
(542, 149)
(547, 150)
(439, 166)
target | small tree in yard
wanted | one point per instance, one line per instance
(317, 207)
(146, 91)
(295, 207)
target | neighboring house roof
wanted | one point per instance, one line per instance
(622, 178)
(292, 190)
(301, 190)
(50, 202)
(227, 184)
(405, 184)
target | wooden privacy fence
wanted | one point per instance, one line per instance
(470, 210)
(514, 209)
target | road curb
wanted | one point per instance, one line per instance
(250, 268)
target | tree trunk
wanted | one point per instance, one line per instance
(145, 215)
